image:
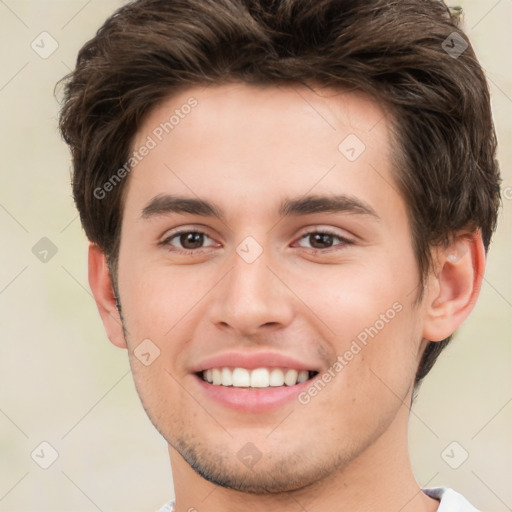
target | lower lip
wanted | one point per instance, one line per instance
(252, 400)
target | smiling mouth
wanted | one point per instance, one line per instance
(255, 379)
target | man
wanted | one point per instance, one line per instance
(289, 205)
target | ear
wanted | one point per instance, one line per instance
(101, 286)
(454, 288)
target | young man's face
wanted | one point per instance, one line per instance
(269, 285)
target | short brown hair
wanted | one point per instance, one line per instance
(396, 51)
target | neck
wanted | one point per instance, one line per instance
(380, 478)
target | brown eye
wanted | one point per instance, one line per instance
(192, 240)
(187, 241)
(320, 240)
(323, 240)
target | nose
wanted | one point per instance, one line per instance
(252, 298)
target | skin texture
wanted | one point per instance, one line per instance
(246, 149)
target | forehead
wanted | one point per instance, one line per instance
(258, 140)
(322, 109)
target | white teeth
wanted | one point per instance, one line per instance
(276, 377)
(303, 376)
(241, 378)
(257, 378)
(216, 377)
(227, 379)
(260, 378)
(290, 377)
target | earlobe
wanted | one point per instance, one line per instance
(454, 289)
(101, 286)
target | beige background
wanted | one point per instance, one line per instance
(62, 382)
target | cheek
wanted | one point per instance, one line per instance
(349, 298)
(156, 299)
(380, 361)
(368, 318)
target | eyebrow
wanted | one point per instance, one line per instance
(165, 204)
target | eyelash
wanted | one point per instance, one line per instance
(343, 241)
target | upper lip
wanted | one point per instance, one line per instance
(252, 360)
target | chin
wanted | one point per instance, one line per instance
(285, 472)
